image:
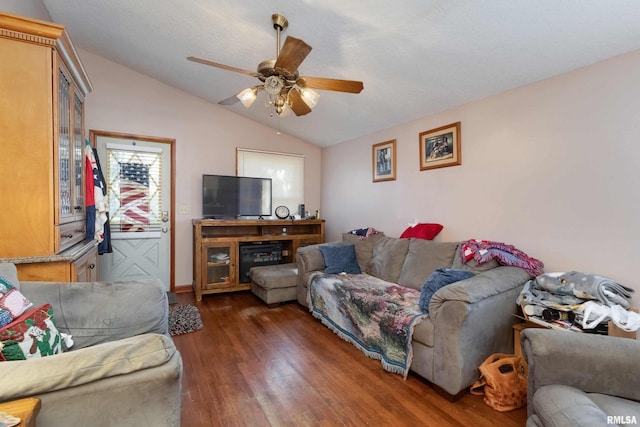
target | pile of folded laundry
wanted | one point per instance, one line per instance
(578, 301)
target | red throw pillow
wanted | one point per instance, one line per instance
(422, 231)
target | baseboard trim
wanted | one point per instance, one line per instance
(183, 289)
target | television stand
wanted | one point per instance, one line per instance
(216, 248)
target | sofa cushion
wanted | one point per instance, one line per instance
(277, 276)
(424, 332)
(97, 312)
(75, 368)
(364, 248)
(561, 405)
(340, 259)
(423, 257)
(387, 259)
(613, 405)
(422, 231)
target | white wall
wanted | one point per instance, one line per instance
(551, 168)
(206, 138)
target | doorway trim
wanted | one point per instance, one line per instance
(93, 134)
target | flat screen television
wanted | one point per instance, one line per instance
(235, 196)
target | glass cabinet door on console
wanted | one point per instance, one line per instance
(218, 263)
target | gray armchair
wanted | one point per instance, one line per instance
(578, 379)
(123, 369)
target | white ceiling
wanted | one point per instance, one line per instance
(415, 57)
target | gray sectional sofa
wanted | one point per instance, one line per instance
(123, 368)
(468, 320)
(579, 379)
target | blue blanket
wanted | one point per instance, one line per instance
(439, 278)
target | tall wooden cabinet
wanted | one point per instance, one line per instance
(42, 85)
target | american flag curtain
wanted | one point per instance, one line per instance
(134, 196)
(134, 189)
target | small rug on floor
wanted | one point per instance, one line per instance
(184, 319)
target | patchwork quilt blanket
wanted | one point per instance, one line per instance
(377, 317)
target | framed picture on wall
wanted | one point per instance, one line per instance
(384, 161)
(440, 147)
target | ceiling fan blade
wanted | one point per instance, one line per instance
(321, 83)
(293, 52)
(224, 67)
(299, 107)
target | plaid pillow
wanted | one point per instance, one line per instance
(5, 317)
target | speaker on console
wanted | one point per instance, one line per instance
(301, 210)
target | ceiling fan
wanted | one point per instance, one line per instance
(280, 79)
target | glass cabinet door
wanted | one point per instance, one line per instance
(64, 148)
(78, 158)
(219, 265)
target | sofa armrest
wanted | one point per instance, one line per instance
(88, 365)
(97, 312)
(309, 260)
(473, 319)
(481, 286)
(588, 362)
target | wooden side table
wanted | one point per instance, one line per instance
(25, 409)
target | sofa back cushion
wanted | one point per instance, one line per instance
(423, 257)
(388, 257)
(364, 248)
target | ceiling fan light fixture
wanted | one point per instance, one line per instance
(280, 103)
(286, 110)
(248, 96)
(309, 96)
(273, 85)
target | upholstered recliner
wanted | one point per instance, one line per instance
(579, 379)
(123, 369)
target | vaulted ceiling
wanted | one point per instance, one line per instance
(415, 57)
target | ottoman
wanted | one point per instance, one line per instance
(274, 284)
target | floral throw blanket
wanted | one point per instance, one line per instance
(377, 317)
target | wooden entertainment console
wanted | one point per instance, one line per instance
(216, 247)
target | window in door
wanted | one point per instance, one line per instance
(134, 190)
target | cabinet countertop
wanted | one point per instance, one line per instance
(69, 255)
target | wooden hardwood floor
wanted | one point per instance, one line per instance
(255, 366)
